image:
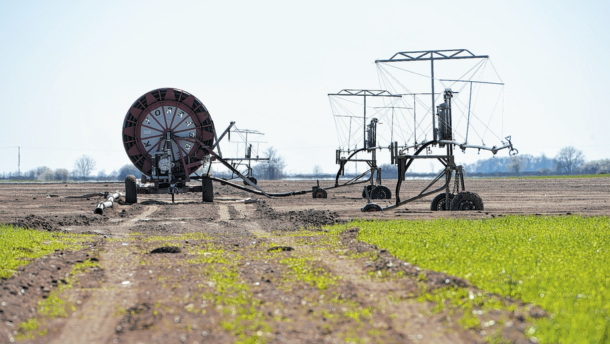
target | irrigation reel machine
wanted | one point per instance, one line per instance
(168, 135)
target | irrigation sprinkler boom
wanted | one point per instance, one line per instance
(247, 157)
(443, 137)
(369, 146)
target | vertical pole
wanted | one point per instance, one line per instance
(392, 134)
(19, 161)
(414, 120)
(450, 160)
(468, 121)
(432, 110)
(350, 134)
(356, 163)
(448, 180)
(364, 124)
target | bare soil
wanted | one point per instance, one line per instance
(162, 265)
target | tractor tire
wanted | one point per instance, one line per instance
(370, 189)
(207, 190)
(381, 192)
(438, 203)
(131, 193)
(467, 201)
(370, 208)
(253, 180)
(319, 193)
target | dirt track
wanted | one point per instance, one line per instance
(227, 283)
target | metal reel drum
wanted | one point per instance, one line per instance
(163, 114)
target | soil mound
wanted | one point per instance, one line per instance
(36, 222)
(292, 220)
(54, 224)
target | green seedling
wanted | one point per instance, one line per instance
(19, 246)
(560, 264)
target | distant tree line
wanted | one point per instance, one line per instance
(83, 168)
(568, 160)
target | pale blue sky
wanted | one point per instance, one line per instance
(70, 70)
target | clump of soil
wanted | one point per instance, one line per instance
(293, 220)
(167, 249)
(36, 222)
(139, 317)
(55, 223)
(280, 248)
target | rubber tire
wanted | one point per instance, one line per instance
(207, 190)
(434, 205)
(381, 192)
(467, 201)
(371, 207)
(370, 187)
(319, 193)
(131, 194)
(252, 179)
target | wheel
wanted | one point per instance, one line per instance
(319, 193)
(223, 183)
(438, 203)
(252, 179)
(131, 195)
(370, 188)
(467, 201)
(207, 190)
(371, 207)
(381, 192)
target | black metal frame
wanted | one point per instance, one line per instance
(404, 161)
(369, 143)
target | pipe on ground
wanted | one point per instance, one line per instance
(99, 209)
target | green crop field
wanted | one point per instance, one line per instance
(561, 264)
(19, 246)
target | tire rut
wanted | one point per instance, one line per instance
(95, 322)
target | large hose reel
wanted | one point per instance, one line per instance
(165, 134)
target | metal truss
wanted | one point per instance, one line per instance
(370, 93)
(428, 55)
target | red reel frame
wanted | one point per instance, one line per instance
(163, 111)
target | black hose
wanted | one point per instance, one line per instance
(284, 194)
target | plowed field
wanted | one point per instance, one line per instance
(242, 269)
